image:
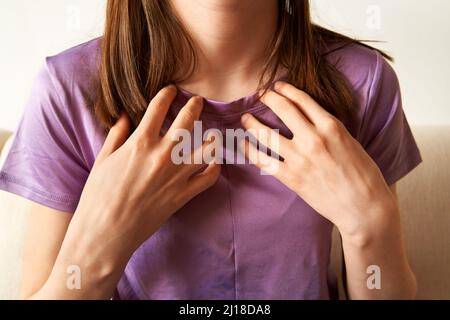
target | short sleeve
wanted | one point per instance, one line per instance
(45, 163)
(385, 132)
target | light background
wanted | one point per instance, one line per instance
(416, 33)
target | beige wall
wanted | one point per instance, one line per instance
(416, 32)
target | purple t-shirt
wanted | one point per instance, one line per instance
(249, 236)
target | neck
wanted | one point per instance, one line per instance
(232, 39)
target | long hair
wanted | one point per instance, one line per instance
(144, 41)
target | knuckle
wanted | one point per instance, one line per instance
(332, 126)
(317, 145)
(302, 164)
(282, 102)
(303, 96)
(140, 144)
(160, 161)
(291, 176)
(285, 104)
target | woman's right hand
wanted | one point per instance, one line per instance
(133, 188)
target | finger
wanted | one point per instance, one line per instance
(200, 158)
(187, 116)
(116, 137)
(287, 112)
(266, 163)
(309, 107)
(195, 161)
(204, 180)
(266, 135)
(156, 112)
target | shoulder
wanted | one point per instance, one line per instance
(74, 72)
(78, 60)
(372, 81)
(363, 67)
(62, 102)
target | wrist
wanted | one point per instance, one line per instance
(86, 278)
(86, 268)
(376, 222)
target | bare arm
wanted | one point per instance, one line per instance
(382, 247)
(46, 229)
(45, 264)
(332, 172)
(133, 188)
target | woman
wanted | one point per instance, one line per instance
(144, 228)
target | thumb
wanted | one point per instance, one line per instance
(117, 136)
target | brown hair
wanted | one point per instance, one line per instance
(144, 41)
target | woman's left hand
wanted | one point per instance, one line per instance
(323, 163)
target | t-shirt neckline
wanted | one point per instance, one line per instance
(225, 110)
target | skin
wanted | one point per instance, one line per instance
(232, 40)
(232, 37)
(119, 224)
(330, 170)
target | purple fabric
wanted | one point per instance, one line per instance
(248, 237)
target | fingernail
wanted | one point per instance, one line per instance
(198, 99)
(245, 117)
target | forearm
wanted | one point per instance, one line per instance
(379, 248)
(94, 285)
(88, 267)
